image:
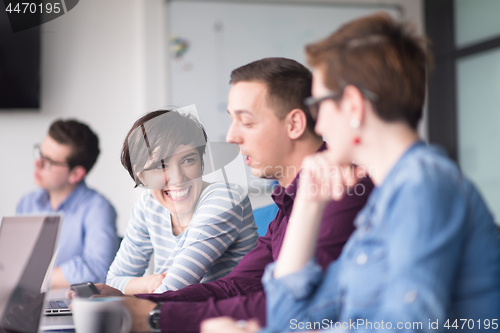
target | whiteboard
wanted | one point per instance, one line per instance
(222, 36)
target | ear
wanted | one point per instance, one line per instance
(77, 174)
(353, 103)
(296, 123)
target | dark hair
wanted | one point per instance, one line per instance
(162, 129)
(83, 141)
(378, 54)
(288, 84)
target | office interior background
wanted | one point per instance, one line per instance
(106, 62)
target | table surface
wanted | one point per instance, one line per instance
(57, 293)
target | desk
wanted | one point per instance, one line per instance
(56, 293)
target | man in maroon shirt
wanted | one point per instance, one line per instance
(275, 130)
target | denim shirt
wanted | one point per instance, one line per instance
(425, 253)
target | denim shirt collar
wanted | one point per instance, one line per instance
(370, 208)
(407, 154)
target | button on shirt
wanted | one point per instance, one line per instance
(87, 241)
(425, 250)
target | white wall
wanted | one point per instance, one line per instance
(104, 62)
(95, 68)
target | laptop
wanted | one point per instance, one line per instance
(57, 307)
(56, 320)
(27, 247)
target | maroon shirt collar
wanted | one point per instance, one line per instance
(284, 197)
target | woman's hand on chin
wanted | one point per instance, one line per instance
(322, 180)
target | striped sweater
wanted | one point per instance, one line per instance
(220, 233)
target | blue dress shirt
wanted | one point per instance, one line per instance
(87, 240)
(425, 257)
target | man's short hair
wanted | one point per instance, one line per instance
(378, 54)
(288, 84)
(161, 131)
(83, 141)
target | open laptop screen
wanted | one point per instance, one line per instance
(27, 244)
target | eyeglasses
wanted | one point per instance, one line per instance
(314, 103)
(47, 163)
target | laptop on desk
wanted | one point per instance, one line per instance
(27, 247)
(57, 307)
(56, 320)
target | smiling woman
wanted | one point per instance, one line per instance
(197, 230)
(176, 182)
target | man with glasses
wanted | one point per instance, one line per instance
(88, 240)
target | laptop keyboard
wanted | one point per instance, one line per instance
(57, 307)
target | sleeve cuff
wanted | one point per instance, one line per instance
(299, 284)
(122, 282)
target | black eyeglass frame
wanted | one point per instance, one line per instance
(37, 153)
(313, 103)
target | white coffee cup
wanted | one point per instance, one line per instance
(101, 315)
